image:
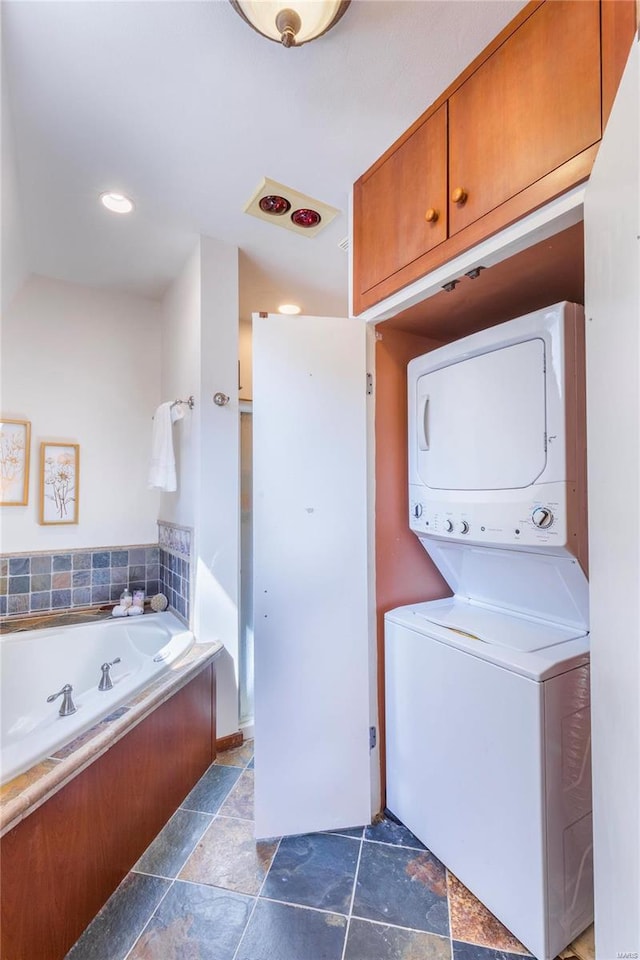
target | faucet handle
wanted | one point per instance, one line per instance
(54, 696)
(109, 663)
(105, 681)
(68, 707)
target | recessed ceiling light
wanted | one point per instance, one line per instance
(291, 308)
(116, 202)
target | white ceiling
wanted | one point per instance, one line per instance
(180, 105)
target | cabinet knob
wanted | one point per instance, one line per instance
(431, 216)
(459, 196)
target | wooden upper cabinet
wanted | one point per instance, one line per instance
(393, 201)
(618, 23)
(532, 106)
(520, 126)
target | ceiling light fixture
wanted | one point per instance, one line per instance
(283, 206)
(291, 24)
(290, 308)
(116, 202)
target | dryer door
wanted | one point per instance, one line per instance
(481, 422)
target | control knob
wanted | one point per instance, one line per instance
(464, 526)
(448, 526)
(542, 517)
(417, 510)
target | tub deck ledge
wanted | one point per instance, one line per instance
(26, 792)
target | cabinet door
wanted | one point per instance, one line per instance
(532, 106)
(311, 602)
(391, 204)
(612, 295)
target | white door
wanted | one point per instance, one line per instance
(246, 670)
(612, 311)
(310, 574)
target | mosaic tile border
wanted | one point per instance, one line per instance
(65, 579)
(175, 543)
(175, 539)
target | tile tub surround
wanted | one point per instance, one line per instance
(175, 582)
(37, 582)
(175, 546)
(353, 894)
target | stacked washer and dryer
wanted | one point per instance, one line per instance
(487, 692)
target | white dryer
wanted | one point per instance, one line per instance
(497, 451)
(487, 693)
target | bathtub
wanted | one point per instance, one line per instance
(100, 784)
(37, 663)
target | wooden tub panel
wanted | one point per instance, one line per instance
(62, 863)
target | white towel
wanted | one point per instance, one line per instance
(162, 470)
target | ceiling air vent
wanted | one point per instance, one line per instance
(285, 207)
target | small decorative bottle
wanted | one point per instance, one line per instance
(125, 598)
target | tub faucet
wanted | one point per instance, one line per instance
(106, 683)
(68, 707)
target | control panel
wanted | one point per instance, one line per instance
(528, 522)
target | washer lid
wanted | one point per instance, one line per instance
(535, 585)
(535, 648)
(491, 627)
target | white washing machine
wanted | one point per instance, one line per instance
(487, 692)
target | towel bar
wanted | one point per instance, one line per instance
(190, 402)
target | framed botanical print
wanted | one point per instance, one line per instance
(59, 482)
(15, 440)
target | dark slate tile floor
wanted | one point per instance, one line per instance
(316, 870)
(205, 890)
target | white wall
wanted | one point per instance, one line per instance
(218, 540)
(200, 357)
(246, 362)
(84, 367)
(14, 266)
(181, 325)
(612, 228)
